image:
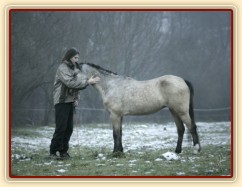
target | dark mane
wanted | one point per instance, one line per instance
(99, 68)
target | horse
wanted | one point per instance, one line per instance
(123, 96)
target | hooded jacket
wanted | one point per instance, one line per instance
(69, 80)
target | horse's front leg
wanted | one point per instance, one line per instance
(117, 132)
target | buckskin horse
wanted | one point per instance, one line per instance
(126, 96)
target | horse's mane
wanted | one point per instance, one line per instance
(99, 68)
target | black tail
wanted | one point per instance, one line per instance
(191, 111)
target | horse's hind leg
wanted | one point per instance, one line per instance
(192, 128)
(180, 131)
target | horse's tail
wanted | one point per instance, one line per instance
(191, 110)
(191, 113)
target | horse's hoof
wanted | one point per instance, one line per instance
(118, 154)
(197, 149)
(178, 151)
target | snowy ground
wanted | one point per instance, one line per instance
(143, 136)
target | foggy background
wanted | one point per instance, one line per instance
(141, 44)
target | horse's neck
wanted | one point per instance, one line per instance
(104, 85)
(108, 83)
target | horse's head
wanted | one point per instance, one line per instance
(89, 70)
(92, 69)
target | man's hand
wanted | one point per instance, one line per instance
(76, 103)
(93, 80)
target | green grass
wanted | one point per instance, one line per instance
(85, 161)
(214, 160)
(25, 132)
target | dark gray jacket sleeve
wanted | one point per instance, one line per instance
(73, 81)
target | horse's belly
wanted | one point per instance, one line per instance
(142, 105)
(141, 111)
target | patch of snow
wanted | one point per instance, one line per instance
(170, 156)
(143, 137)
(100, 165)
(20, 157)
(119, 165)
(131, 161)
(191, 159)
(210, 171)
(158, 159)
(27, 159)
(100, 155)
(61, 170)
(180, 173)
(16, 156)
(47, 163)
